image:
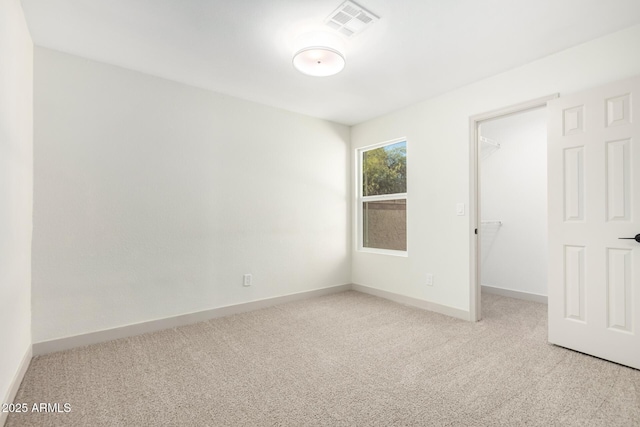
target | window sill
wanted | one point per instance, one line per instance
(403, 254)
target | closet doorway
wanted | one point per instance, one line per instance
(509, 203)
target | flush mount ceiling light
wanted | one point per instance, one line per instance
(319, 54)
(319, 61)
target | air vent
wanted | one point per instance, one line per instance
(350, 19)
(347, 32)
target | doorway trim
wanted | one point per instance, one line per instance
(475, 312)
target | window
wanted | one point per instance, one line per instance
(382, 198)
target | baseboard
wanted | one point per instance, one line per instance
(15, 383)
(527, 296)
(414, 302)
(66, 343)
(60, 344)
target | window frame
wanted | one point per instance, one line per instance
(360, 199)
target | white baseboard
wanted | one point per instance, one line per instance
(414, 302)
(15, 383)
(51, 346)
(66, 343)
(527, 296)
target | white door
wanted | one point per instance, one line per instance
(594, 199)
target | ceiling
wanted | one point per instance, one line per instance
(418, 49)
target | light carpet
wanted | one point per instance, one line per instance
(346, 359)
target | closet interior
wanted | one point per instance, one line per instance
(513, 205)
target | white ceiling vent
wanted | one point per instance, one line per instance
(350, 19)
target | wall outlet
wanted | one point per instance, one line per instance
(429, 279)
(246, 280)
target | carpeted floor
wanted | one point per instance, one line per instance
(346, 359)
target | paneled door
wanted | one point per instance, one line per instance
(594, 200)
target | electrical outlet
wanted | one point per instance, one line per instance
(429, 279)
(246, 280)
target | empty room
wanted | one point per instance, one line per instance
(319, 212)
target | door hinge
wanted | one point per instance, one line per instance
(476, 231)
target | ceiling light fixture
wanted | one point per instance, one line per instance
(319, 54)
(319, 61)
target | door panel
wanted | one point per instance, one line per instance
(594, 198)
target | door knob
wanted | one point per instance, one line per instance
(637, 238)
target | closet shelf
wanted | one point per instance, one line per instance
(488, 146)
(490, 141)
(492, 222)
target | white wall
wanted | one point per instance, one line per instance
(514, 191)
(437, 132)
(152, 198)
(16, 184)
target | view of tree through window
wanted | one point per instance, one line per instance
(383, 198)
(384, 170)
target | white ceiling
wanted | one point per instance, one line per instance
(418, 49)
